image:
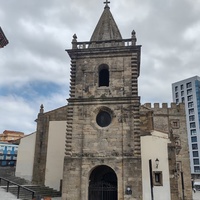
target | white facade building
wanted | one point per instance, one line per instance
(161, 189)
(54, 159)
(188, 92)
(25, 156)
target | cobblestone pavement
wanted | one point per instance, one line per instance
(196, 195)
(8, 196)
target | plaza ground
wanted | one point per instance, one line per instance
(8, 196)
(196, 195)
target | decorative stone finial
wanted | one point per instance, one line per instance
(134, 39)
(74, 41)
(41, 108)
(74, 37)
(106, 2)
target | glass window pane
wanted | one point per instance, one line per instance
(188, 85)
(193, 132)
(194, 139)
(189, 91)
(195, 154)
(194, 146)
(196, 161)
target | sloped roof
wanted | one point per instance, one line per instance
(106, 28)
(3, 39)
(13, 132)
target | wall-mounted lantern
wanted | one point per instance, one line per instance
(128, 190)
(157, 163)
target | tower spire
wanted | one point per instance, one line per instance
(106, 28)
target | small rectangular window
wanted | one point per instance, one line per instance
(176, 88)
(192, 125)
(8, 157)
(182, 93)
(194, 139)
(191, 111)
(196, 161)
(191, 118)
(182, 87)
(195, 154)
(175, 124)
(194, 146)
(193, 132)
(197, 169)
(190, 98)
(176, 94)
(188, 85)
(183, 100)
(158, 179)
(189, 91)
(9, 148)
(190, 105)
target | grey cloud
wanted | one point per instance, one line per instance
(40, 31)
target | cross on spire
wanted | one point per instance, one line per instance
(106, 2)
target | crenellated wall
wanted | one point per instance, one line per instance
(172, 121)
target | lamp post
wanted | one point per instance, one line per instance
(151, 179)
(157, 163)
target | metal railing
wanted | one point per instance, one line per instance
(8, 184)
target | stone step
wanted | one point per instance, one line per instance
(39, 191)
(24, 194)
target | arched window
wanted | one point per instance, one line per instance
(103, 75)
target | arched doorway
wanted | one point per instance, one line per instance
(103, 184)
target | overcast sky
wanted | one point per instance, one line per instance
(34, 67)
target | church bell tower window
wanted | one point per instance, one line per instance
(103, 75)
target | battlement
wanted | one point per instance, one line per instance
(164, 107)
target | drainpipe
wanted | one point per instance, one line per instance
(151, 179)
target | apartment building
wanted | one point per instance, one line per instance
(188, 91)
(8, 154)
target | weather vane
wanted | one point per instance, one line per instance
(106, 2)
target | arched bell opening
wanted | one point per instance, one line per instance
(104, 75)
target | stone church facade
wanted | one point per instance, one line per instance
(106, 124)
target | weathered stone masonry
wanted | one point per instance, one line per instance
(42, 140)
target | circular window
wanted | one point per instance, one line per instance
(103, 119)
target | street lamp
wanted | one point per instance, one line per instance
(157, 163)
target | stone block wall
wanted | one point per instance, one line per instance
(77, 172)
(40, 155)
(172, 120)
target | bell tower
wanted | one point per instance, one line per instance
(102, 154)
